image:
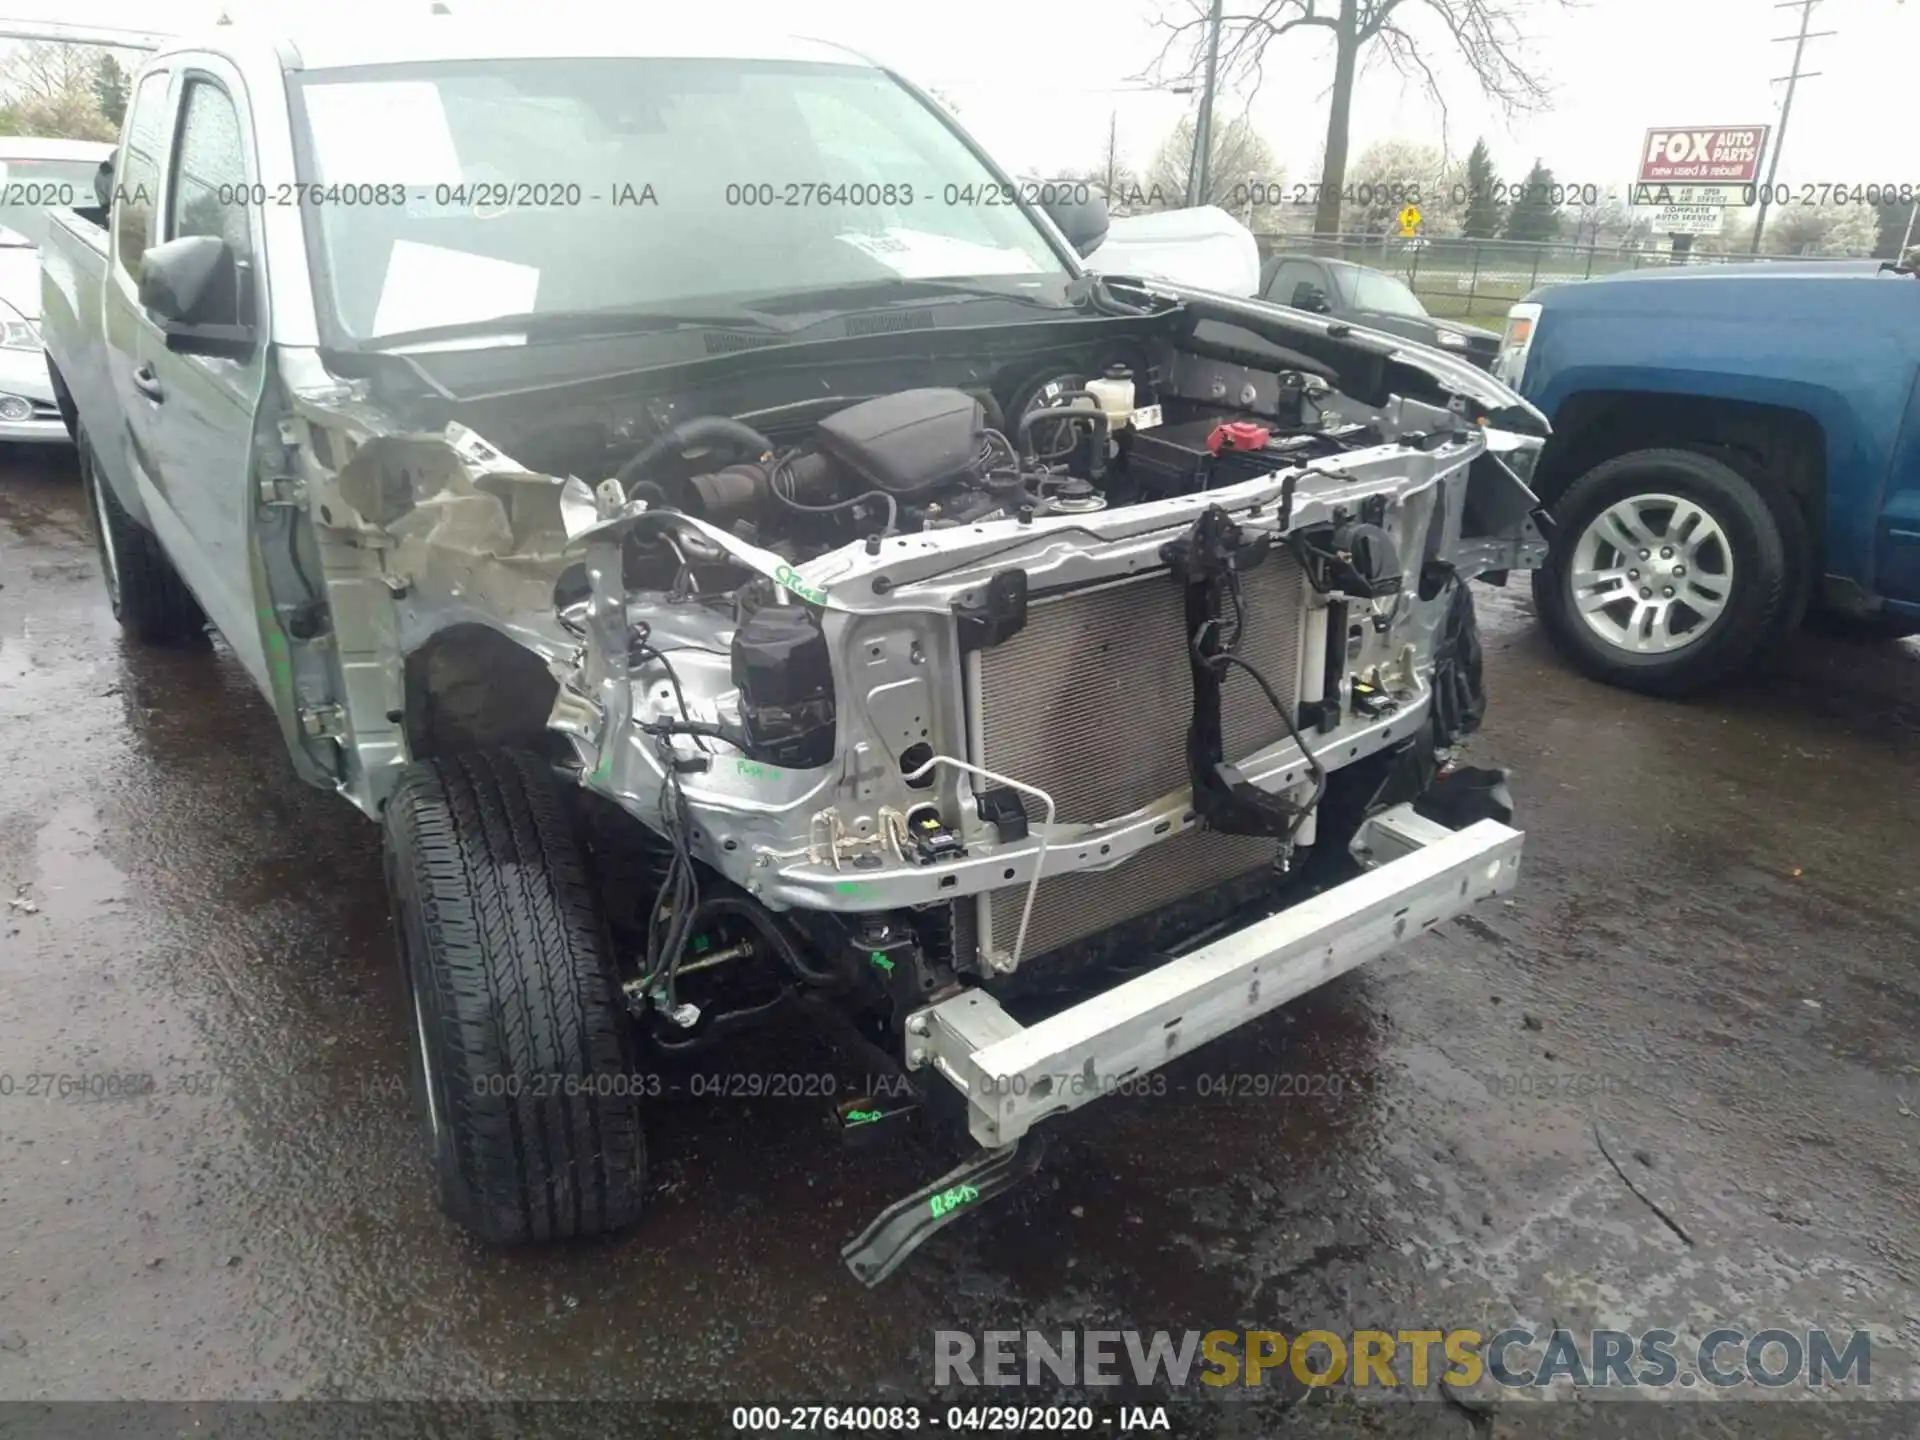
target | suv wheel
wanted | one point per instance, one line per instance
(1670, 572)
(522, 1053)
(146, 593)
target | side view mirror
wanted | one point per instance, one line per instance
(1309, 296)
(1082, 221)
(103, 181)
(196, 289)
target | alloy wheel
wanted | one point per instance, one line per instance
(1651, 573)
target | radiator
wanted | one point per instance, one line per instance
(1072, 907)
(1091, 702)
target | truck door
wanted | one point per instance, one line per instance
(1295, 282)
(125, 447)
(1897, 546)
(204, 415)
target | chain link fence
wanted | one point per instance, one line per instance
(1468, 279)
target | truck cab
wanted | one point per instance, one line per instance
(1735, 448)
(1366, 296)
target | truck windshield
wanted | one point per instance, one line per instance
(448, 193)
(1384, 294)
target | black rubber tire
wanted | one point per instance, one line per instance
(519, 1037)
(1768, 576)
(151, 602)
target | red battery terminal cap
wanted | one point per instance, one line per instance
(1238, 435)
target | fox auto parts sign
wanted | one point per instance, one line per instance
(1715, 155)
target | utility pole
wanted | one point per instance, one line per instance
(1786, 105)
(1197, 176)
(1113, 145)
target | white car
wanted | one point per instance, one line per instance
(35, 175)
(1202, 246)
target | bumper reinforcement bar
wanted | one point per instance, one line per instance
(1014, 1076)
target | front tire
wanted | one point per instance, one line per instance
(522, 1054)
(149, 599)
(1670, 572)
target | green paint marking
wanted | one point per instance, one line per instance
(787, 576)
(700, 944)
(864, 1117)
(753, 770)
(849, 887)
(947, 1201)
(881, 961)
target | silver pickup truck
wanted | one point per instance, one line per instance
(707, 514)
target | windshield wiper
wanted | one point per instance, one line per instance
(824, 303)
(861, 294)
(581, 324)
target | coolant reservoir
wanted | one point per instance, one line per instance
(1114, 391)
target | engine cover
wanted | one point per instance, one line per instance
(909, 443)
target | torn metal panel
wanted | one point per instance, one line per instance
(419, 533)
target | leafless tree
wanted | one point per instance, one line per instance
(43, 71)
(48, 89)
(1240, 171)
(1839, 230)
(1390, 175)
(1822, 230)
(70, 117)
(1608, 215)
(1486, 35)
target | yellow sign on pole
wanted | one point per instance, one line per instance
(1410, 220)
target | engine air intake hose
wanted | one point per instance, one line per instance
(698, 430)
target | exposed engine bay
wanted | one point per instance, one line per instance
(934, 458)
(1076, 643)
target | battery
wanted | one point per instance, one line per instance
(1174, 459)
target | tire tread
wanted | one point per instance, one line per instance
(523, 987)
(156, 607)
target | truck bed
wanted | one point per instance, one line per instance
(73, 268)
(73, 273)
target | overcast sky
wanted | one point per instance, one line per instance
(1039, 82)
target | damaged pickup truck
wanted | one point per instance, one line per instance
(706, 513)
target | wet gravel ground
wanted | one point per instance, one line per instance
(1710, 972)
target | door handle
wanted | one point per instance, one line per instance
(148, 384)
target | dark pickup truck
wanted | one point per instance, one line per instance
(1342, 290)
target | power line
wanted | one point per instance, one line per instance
(1799, 40)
